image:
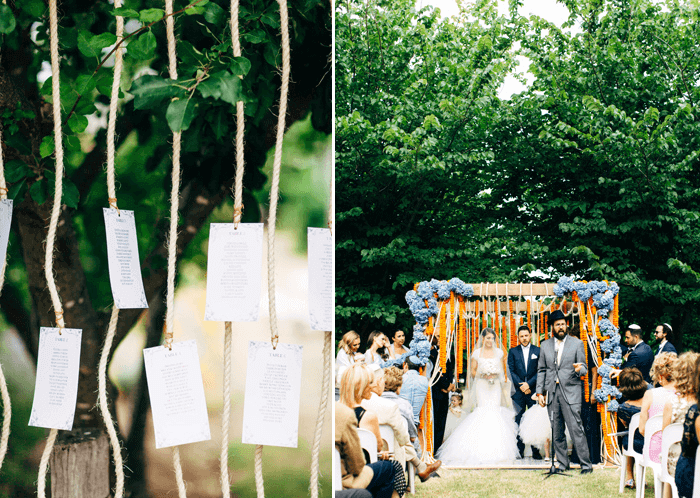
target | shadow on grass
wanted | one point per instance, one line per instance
(286, 471)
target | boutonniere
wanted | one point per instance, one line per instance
(533, 357)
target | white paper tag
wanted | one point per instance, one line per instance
(5, 222)
(56, 390)
(177, 394)
(321, 279)
(234, 272)
(272, 389)
(123, 258)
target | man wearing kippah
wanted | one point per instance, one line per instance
(561, 365)
(662, 332)
(639, 354)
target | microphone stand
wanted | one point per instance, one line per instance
(553, 470)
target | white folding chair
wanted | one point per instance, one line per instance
(387, 433)
(654, 425)
(368, 441)
(337, 471)
(672, 434)
(696, 483)
(629, 451)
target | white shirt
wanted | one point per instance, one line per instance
(526, 352)
(559, 346)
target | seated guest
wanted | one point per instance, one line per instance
(639, 354)
(388, 413)
(392, 387)
(662, 334)
(397, 349)
(347, 355)
(676, 409)
(352, 493)
(415, 387)
(633, 387)
(685, 469)
(654, 400)
(383, 479)
(354, 387)
(377, 351)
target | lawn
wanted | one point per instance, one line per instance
(523, 483)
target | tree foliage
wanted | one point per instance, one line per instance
(592, 171)
(200, 103)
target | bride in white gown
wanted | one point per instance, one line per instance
(488, 434)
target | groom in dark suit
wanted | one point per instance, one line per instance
(562, 363)
(522, 364)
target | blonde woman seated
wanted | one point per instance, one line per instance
(388, 413)
(654, 400)
(676, 409)
(347, 355)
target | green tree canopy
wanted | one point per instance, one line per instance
(591, 171)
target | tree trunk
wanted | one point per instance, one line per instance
(80, 465)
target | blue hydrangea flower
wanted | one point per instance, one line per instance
(606, 327)
(434, 285)
(564, 285)
(613, 406)
(604, 370)
(583, 291)
(604, 301)
(614, 288)
(425, 291)
(443, 290)
(461, 288)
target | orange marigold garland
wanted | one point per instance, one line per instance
(513, 335)
(529, 308)
(442, 330)
(616, 311)
(497, 317)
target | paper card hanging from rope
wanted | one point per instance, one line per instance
(272, 390)
(176, 392)
(123, 258)
(56, 389)
(321, 279)
(234, 272)
(5, 222)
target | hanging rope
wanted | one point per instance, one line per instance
(237, 213)
(6, 407)
(272, 218)
(111, 330)
(172, 235)
(325, 395)
(55, 211)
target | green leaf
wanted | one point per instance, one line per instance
(214, 14)
(188, 54)
(38, 192)
(270, 20)
(47, 146)
(35, 8)
(91, 45)
(149, 91)
(197, 9)
(72, 143)
(124, 12)
(77, 123)
(222, 85)
(16, 170)
(148, 16)
(7, 20)
(180, 114)
(71, 194)
(255, 36)
(219, 122)
(85, 83)
(144, 47)
(240, 66)
(19, 142)
(16, 191)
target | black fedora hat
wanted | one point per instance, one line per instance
(556, 315)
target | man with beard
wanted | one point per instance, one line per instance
(561, 364)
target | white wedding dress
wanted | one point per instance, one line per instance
(488, 434)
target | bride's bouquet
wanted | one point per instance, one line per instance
(490, 372)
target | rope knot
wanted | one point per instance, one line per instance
(237, 213)
(113, 204)
(59, 321)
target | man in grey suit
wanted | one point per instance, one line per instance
(560, 367)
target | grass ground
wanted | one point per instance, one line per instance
(524, 483)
